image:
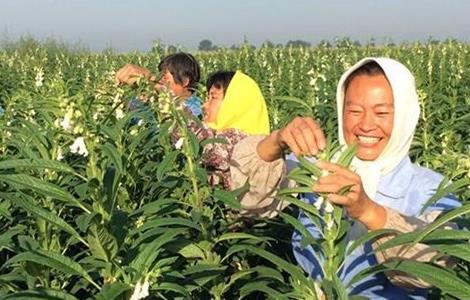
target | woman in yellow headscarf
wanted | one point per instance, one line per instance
(234, 109)
(235, 101)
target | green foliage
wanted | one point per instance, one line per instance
(122, 211)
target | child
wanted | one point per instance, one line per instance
(180, 73)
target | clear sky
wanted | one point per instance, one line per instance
(136, 24)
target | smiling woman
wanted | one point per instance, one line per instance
(368, 111)
(378, 110)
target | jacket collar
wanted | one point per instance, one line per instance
(395, 183)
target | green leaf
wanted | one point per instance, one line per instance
(307, 238)
(304, 206)
(49, 216)
(443, 219)
(310, 167)
(40, 293)
(147, 253)
(111, 187)
(5, 238)
(114, 156)
(461, 251)
(201, 267)
(166, 164)
(217, 140)
(445, 189)
(267, 272)
(294, 191)
(36, 164)
(153, 207)
(438, 277)
(239, 236)
(5, 207)
(292, 269)
(203, 273)
(436, 236)
(261, 286)
(193, 143)
(53, 260)
(192, 251)
(160, 222)
(347, 155)
(47, 189)
(339, 288)
(111, 132)
(112, 291)
(302, 103)
(102, 244)
(173, 287)
(228, 198)
(367, 237)
(305, 180)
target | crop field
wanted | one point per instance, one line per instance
(94, 205)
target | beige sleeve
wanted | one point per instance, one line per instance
(419, 252)
(264, 178)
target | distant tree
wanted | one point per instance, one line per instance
(325, 44)
(172, 49)
(433, 41)
(298, 43)
(268, 44)
(343, 42)
(206, 45)
(371, 42)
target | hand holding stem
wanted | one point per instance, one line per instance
(356, 202)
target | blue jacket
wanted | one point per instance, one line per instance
(405, 189)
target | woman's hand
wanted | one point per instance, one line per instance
(302, 135)
(129, 74)
(356, 202)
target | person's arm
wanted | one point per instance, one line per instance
(419, 252)
(259, 161)
(263, 178)
(303, 136)
(129, 74)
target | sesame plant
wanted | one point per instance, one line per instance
(96, 202)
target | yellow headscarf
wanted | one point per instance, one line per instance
(243, 107)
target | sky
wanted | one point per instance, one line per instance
(138, 24)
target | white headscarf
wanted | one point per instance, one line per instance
(406, 115)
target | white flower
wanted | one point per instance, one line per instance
(60, 156)
(39, 78)
(79, 147)
(318, 203)
(328, 207)
(134, 131)
(179, 143)
(117, 98)
(119, 113)
(141, 290)
(66, 123)
(329, 224)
